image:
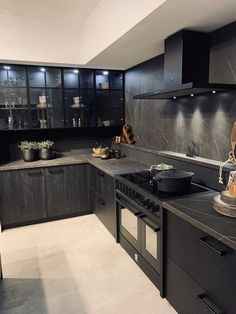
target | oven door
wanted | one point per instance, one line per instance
(151, 242)
(130, 225)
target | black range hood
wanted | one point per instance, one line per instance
(186, 68)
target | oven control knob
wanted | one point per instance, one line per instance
(156, 208)
(152, 205)
(133, 195)
(146, 202)
(123, 188)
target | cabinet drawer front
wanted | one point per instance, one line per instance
(187, 296)
(208, 261)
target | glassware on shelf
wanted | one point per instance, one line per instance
(43, 123)
(10, 121)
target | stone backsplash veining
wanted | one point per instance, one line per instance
(174, 124)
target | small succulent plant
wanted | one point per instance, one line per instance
(26, 145)
(45, 144)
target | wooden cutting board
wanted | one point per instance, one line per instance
(223, 208)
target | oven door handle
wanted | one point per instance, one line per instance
(150, 223)
(128, 205)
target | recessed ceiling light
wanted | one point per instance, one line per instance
(174, 97)
(192, 95)
(105, 72)
(76, 71)
(213, 92)
(42, 69)
(6, 67)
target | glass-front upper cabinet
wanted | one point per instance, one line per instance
(13, 97)
(53, 97)
(109, 97)
(79, 98)
(45, 97)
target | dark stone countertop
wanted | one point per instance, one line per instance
(59, 161)
(116, 166)
(109, 166)
(198, 211)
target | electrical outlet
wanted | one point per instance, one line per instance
(136, 257)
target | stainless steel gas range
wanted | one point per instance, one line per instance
(140, 221)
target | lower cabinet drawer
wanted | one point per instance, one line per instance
(187, 296)
(211, 263)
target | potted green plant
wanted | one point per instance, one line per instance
(45, 151)
(28, 150)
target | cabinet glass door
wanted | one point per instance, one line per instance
(86, 78)
(102, 79)
(71, 78)
(13, 98)
(45, 97)
(116, 80)
(53, 77)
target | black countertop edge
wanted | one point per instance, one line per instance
(224, 229)
(204, 162)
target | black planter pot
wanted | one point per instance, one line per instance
(28, 155)
(45, 154)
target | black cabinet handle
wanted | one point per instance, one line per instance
(150, 224)
(202, 298)
(56, 171)
(203, 240)
(34, 173)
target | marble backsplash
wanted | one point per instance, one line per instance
(203, 122)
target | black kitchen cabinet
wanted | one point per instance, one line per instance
(22, 196)
(13, 97)
(47, 82)
(202, 266)
(65, 190)
(109, 97)
(79, 98)
(102, 198)
(40, 194)
(38, 97)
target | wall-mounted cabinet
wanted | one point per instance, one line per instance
(34, 97)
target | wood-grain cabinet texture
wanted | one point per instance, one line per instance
(39, 194)
(101, 195)
(200, 270)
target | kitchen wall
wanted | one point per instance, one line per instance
(204, 122)
(67, 141)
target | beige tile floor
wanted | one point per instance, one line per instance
(72, 266)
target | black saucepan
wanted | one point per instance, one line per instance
(172, 181)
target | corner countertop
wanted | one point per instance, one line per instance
(198, 211)
(109, 166)
(116, 166)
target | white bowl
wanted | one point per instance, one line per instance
(106, 123)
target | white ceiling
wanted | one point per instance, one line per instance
(67, 20)
(61, 10)
(146, 39)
